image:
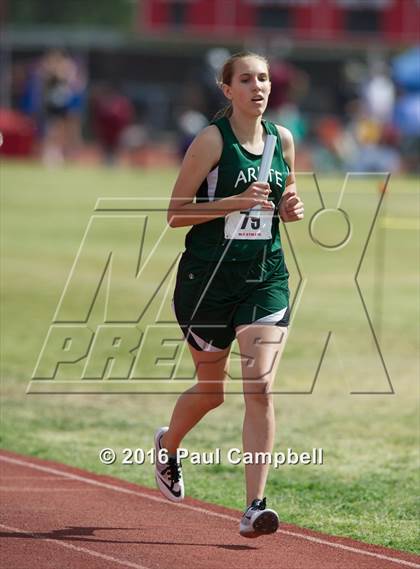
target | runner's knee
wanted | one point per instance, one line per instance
(216, 399)
(258, 394)
(211, 395)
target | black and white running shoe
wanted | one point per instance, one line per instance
(168, 475)
(258, 520)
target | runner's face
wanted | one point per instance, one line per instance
(250, 86)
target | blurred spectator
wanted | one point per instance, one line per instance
(349, 80)
(378, 93)
(288, 86)
(407, 114)
(406, 73)
(189, 124)
(368, 141)
(62, 86)
(406, 69)
(290, 116)
(17, 134)
(282, 76)
(207, 80)
(370, 146)
(355, 115)
(112, 113)
(376, 154)
(328, 149)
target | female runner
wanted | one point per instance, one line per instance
(232, 280)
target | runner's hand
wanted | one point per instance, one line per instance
(291, 207)
(256, 194)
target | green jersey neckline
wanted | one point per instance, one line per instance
(267, 132)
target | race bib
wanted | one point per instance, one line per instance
(249, 224)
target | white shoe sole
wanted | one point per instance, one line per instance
(265, 524)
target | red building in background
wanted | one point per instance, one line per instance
(307, 21)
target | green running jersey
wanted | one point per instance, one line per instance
(236, 170)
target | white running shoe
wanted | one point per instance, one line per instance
(168, 475)
(258, 520)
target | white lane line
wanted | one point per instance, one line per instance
(45, 489)
(123, 490)
(353, 549)
(76, 548)
(30, 478)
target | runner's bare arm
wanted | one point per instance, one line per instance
(291, 206)
(200, 159)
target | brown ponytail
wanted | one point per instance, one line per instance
(226, 111)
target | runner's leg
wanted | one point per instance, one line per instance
(261, 347)
(205, 395)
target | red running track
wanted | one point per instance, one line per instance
(58, 517)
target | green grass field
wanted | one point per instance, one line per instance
(367, 486)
